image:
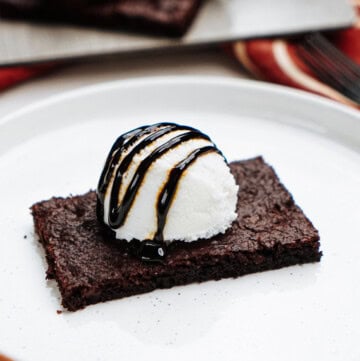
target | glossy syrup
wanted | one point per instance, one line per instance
(147, 250)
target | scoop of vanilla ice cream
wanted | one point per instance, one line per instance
(203, 203)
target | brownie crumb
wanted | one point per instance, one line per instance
(59, 312)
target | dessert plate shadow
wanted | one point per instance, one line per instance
(58, 146)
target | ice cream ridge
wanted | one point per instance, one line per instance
(162, 183)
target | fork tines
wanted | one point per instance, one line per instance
(330, 65)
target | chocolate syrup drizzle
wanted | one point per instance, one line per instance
(167, 194)
(149, 250)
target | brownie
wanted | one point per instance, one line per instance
(91, 266)
(168, 17)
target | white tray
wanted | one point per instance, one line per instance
(217, 21)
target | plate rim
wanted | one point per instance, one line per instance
(221, 81)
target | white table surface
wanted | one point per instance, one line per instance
(190, 62)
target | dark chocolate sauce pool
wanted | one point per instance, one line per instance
(147, 250)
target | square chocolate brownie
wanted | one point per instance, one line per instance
(90, 266)
(167, 17)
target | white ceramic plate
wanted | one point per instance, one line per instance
(308, 312)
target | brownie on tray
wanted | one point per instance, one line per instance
(90, 266)
(167, 17)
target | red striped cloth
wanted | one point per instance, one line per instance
(276, 60)
(14, 75)
(273, 60)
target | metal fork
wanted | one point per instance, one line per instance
(331, 66)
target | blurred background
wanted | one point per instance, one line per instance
(310, 45)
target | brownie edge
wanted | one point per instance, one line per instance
(163, 17)
(90, 266)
